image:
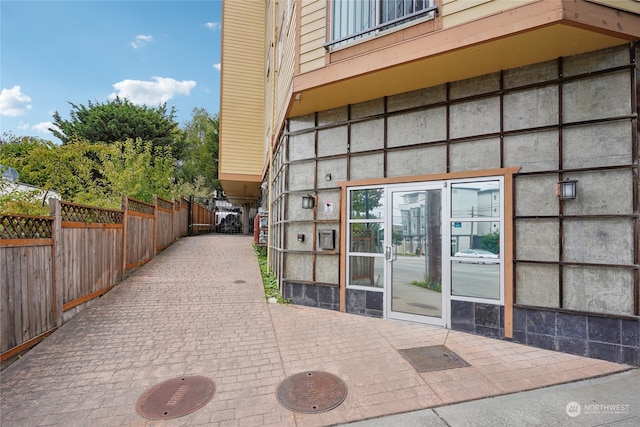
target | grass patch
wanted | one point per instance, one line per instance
(269, 281)
(428, 284)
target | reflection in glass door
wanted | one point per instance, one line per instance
(414, 255)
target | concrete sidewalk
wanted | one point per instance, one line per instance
(199, 309)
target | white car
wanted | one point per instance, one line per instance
(479, 256)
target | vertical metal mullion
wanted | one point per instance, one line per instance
(634, 50)
(560, 167)
(501, 118)
(348, 153)
(385, 134)
(448, 129)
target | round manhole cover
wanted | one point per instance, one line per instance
(312, 392)
(176, 397)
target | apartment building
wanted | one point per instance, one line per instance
(470, 164)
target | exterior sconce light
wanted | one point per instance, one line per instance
(308, 202)
(567, 189)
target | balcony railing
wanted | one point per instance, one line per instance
(354, 19)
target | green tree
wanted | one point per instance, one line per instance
(200, 140)
(137, 169)
(119, 120)
(65, 169)
(491, 242)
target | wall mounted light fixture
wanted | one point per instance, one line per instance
(308, 202)
(567, 189)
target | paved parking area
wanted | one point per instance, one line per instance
(198, 308)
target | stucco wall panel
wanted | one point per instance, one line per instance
(367, 135)
(538, 285)
(417, 161)
(475, 155)
(476, 86)
(417, 98)
(302, 123)
(291, 236)
(337, 168)
(328, 269)
(586, 63)
(531, 74)
(303, 173)
(298, 266)
(602, 193)
(537, 240)
(597, 97)
(475, 117)
(599, 241)
(366, 167)
(366, 109)
(323, 212)
(294, 209)
(536, 195)
(334, 116)
(598, 290)
(416, 127)
(532, 152)
(302, 146)
(332, 141)
(531, 108)
(603, 144)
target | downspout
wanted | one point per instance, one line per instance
(274, 44)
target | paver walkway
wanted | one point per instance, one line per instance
(198, 308)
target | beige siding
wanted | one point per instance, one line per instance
(312, 34)
(242, 88)
(277, 97)
(456, 12)
(628, 5)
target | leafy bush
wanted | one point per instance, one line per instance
(268, 280)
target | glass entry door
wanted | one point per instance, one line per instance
(413, 255)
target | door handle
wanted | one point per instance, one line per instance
(387, 253)
(390, 253)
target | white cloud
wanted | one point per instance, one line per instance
(23, 125)
(213, 25)
(217, 67)
(13, 102)
(43, 127)
(141, 40)
(159, 91)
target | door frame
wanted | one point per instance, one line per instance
(508, 175)
(445, 301)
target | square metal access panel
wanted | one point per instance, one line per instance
(327, 239)
(432, 358)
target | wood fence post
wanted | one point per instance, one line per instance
(56, 262)
(125, 231)
(173, 226)
(155, 226)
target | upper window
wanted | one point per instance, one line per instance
(355, 19)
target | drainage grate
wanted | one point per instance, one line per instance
(176, 397)
(432, 358)
(311, 392)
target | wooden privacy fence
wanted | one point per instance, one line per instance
(51, 266)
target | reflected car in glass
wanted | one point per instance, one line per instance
(477, 256)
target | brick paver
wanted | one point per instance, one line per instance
(198, 309)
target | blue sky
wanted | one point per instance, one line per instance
(150, 52)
